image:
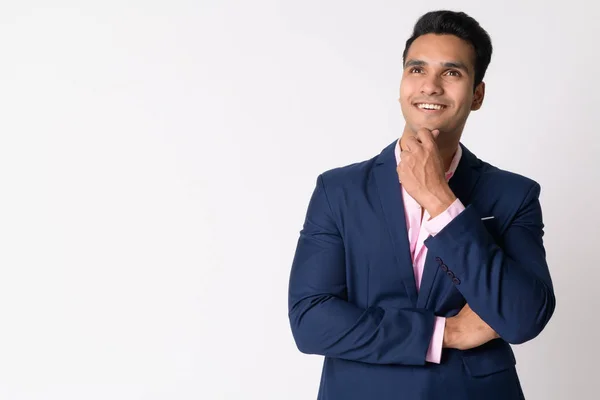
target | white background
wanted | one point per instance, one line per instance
(156, 161)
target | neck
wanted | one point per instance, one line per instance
(447, 155)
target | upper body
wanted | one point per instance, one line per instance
(353, 294)
(416, 269)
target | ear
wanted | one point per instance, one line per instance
(478, 97)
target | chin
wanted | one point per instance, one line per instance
(431, 127)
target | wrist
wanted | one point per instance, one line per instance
(453, 337)
(439, 202)
(448, 334)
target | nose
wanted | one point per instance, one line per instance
(432, 85)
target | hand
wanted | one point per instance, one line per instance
(422, 174)
(467, 330)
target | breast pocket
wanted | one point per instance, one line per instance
(493, 226)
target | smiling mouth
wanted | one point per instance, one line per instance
(430, 106)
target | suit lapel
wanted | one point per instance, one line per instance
(466, 176)
(462, 184)
(390, 194)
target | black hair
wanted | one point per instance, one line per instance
(461, 25)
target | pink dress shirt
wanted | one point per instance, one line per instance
(419, 228)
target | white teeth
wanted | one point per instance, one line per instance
(430, 106)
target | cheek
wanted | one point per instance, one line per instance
(466, 105)
(406, 93)
(461, 99)
(407, 87)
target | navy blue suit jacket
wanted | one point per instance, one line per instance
(352, 292)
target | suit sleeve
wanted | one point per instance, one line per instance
(433, 226)
(507, 284)
(322, 319)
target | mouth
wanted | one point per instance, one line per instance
(430, 107)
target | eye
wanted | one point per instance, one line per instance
(452, 73)
(416, 70)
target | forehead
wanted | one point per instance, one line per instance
(435, 49)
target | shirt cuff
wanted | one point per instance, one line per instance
(435, 225)
(434, 352)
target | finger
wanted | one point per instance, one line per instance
(411, 143)
(425, 136)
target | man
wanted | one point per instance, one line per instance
(417, 269)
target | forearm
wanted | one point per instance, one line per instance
(514, 297)
(332, 327)
(322, 319)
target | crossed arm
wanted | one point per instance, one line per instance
(509, 288)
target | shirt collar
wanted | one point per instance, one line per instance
(453, 164)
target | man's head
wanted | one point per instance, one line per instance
(445, 61)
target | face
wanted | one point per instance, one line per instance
(436, 91)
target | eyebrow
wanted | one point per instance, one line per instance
(447, 64)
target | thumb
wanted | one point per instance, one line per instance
(435, 133)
